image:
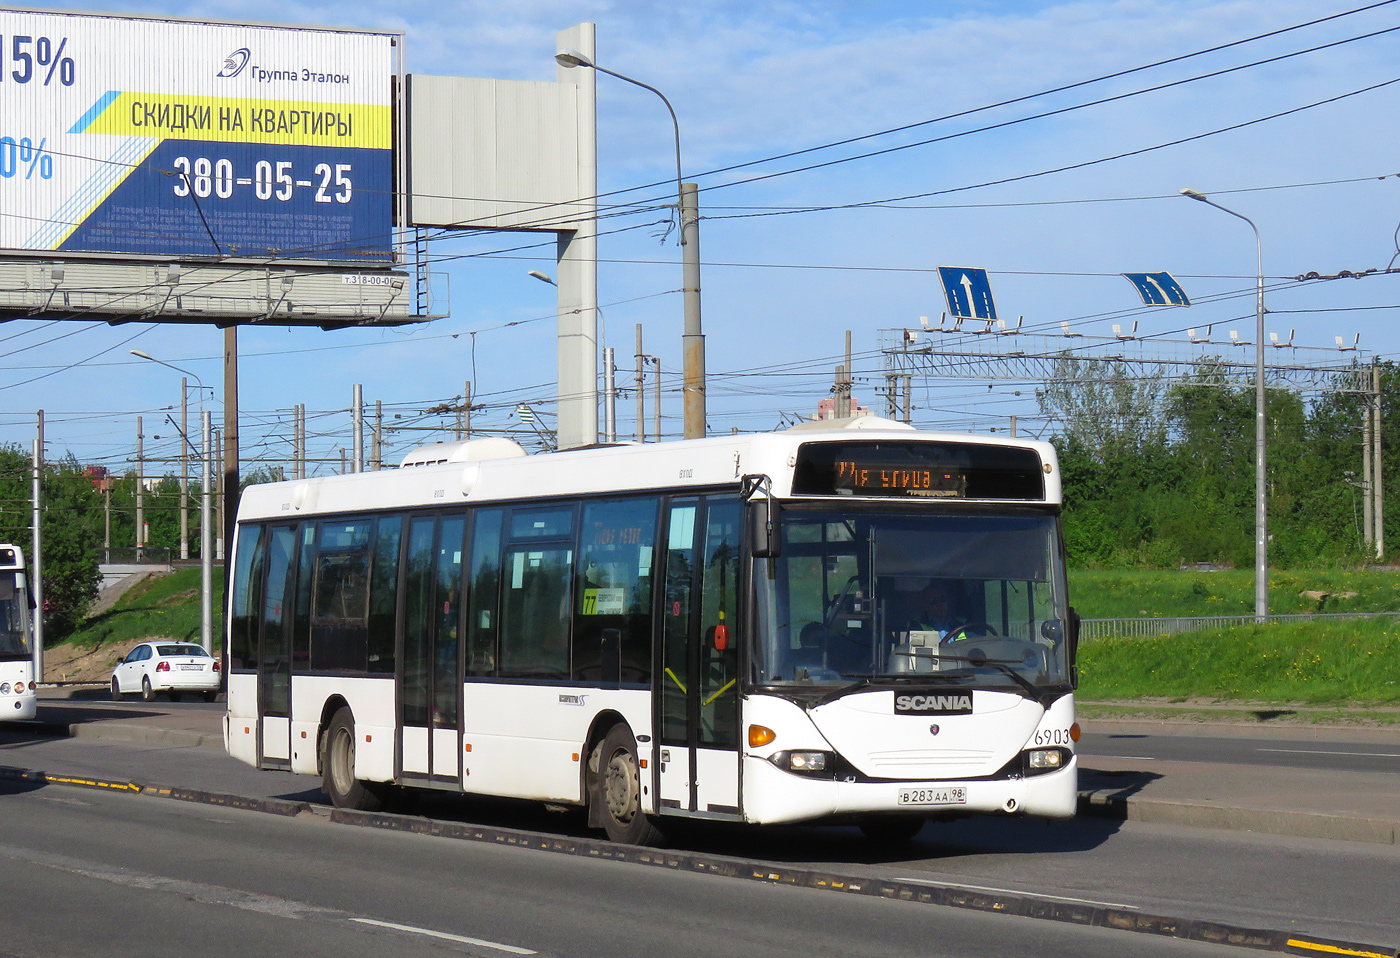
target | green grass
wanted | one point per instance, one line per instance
(166, 607)
(1100, 594)
(1325, 663)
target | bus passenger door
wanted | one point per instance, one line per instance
(429, 682)
(275, 652)
(697, 687)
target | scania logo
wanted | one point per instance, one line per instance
(933, 704)
(235, 62)
(933, 730)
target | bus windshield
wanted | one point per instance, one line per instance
(14, 617)
(880, 598)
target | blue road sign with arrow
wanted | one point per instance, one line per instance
(968, 291)
(1158, 289)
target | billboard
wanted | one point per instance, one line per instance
(182, 139)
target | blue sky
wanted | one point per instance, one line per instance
(751, 80)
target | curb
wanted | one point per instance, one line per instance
(1024, 905)
(113, 732)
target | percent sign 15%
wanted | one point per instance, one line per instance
(31, 56)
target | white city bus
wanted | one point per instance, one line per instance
(730, 628)
(18, 692)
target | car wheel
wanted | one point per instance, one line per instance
(210, 696)
(892, 831)
(148, 694)
(338, 779)
(117, 695)
(618, 791)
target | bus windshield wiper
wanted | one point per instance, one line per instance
(871, 680)
(1001, 665)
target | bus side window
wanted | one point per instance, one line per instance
(612, 605)
(485, 584)
(535, 594)
(247, 598)
(340, 598)
(719, 618)
(384, 593)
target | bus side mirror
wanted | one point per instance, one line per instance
(765, 528)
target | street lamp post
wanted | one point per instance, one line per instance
(206, 552)
(687, 203)
(1261, 537)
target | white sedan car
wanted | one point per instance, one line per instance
(171, 667)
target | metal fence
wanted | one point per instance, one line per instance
(146, 555)
(1090, 629)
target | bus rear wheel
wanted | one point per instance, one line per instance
(618, 791)
(338, 779)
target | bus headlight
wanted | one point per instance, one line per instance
(1042, 760)
(818, 764)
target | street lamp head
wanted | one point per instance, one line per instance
(137, 352)
(572, 58)
(1194, 194)
(542, 277)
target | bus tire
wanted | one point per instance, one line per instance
(618, 791)
(117, 695)
(892, 830)
(338, 779)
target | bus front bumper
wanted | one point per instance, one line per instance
(775, 796)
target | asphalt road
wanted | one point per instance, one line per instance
(1290, 753)
(106, 874)
(1331, 889)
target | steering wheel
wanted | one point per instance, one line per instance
(969, 630)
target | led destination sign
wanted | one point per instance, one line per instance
(865, 478)
(917, 470)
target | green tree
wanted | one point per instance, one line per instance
(71, 526)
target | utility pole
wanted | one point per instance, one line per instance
(1368, 489)
(609, 396)
(467, 410)
(693, 339)
(220, 528)
(184, 469)
(1377, 485)
(656, 361)
(107, 518)
(36, 558)
(229, 486)
(908, 396)
(376, 448)
(140, 494)
(206, 542)
(357, 417)
(641, 389)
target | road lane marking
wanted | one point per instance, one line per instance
(479, 942)
(1334, 949)
(1012, 891)
(1325, 751)
(1127, 758)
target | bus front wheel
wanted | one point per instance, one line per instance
(618, 791)
(338, 768)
